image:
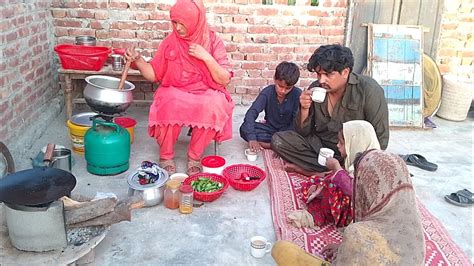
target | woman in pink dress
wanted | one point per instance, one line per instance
(192, 69)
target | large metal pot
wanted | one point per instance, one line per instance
(102, 95)
(152, 194)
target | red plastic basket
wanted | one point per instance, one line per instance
(81, 57)
(208, 196)
(234, 172)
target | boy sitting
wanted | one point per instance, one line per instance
(280, 102)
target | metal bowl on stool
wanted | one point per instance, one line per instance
(102, 95)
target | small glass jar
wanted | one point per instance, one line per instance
(172, 194)
(186, 202)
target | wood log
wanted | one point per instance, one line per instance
(121, 212)
(76, 212)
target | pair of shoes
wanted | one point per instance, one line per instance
(194, 167)
(419, 161)
(461, 198)
(168, 165)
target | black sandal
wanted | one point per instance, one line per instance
(419, 161)
(461, 198)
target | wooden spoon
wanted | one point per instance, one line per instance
(124, 75)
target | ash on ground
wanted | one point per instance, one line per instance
(79, 236)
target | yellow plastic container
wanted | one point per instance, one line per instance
(76, 133)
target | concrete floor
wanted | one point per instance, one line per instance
(219, 232)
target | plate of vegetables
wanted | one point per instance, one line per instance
(207, 187)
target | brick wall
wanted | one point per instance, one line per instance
(456, 47)
(257, 36)
(27, 79)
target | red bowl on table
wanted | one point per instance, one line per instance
(208, 196)
(234, 174)
(79, 57)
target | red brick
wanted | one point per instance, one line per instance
(159, 15)
(97, 25)
(254, 73)
(267, 11)
(253, 65)
(101, 14)
(157, 26)
(318, 13)
(79, 32)
(118, 5)
(282, 49)
(264, 57)
(143, 6)
(142, 16)
(234, 29)
(8, 12)
(251, 49)
(70, 23)
(102, 34)
(260, 29)
(237, 56)
(126, 34)
(225, 10)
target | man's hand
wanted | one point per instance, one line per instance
(255, 146)
(305, 99)
(333, 164)
(199, 52)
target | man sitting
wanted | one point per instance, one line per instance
(349, 96)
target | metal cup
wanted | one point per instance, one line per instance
(117, 62)
(62, 159)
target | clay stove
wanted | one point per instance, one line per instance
(37, 228)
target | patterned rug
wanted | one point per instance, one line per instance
(285, 190)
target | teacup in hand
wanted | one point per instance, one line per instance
(324, 153)
(259, 246)
(318, 94)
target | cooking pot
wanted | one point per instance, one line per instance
(102, 95)
(152, 194)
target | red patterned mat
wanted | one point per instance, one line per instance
(285, 190)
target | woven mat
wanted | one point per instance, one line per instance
(285, 190)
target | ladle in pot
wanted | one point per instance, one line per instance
(124, 75)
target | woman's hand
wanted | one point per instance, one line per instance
(333, 164)
(305, 99)
(255, 146)
(132, 55)
(330, 251)
(199, 52)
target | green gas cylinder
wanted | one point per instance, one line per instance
(107, 148)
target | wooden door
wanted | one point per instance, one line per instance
(426, 13)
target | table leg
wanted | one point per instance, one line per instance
(68, 95)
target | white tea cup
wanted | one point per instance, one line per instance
(251, 155)
(318, 94)
(259, 246)
(324, 153)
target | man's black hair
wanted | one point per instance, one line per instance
(329, 58)
(287, 71)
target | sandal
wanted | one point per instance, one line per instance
(194, 167)
(461, 198)
(168, 165)
(419, 161)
